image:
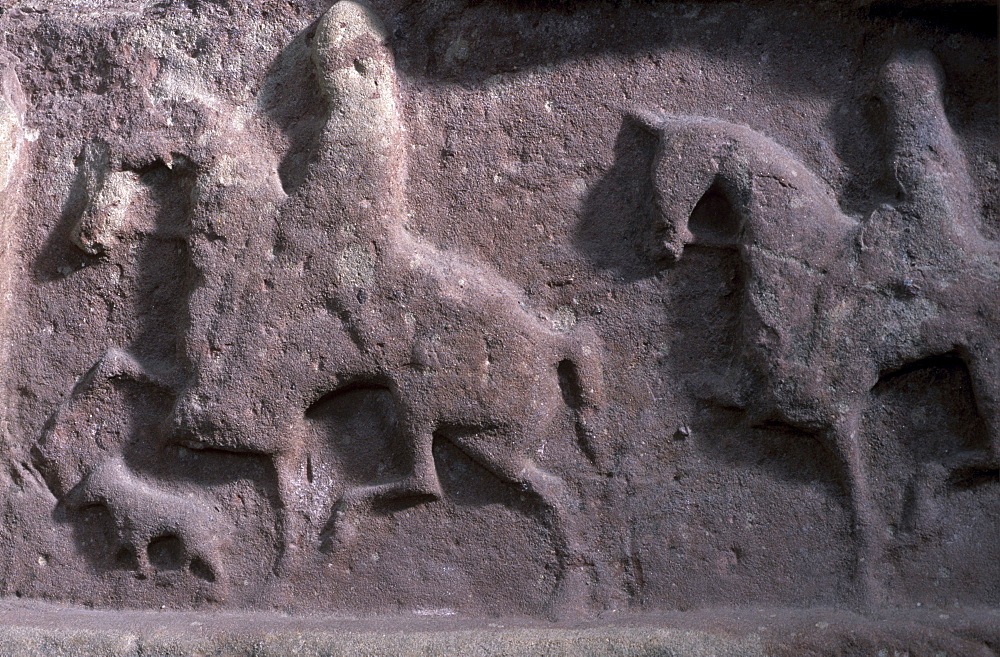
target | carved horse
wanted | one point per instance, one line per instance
(300, 297)
(331, 273)
(830, 304)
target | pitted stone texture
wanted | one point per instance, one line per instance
(47, 630)
(36, 629)
(508, 309)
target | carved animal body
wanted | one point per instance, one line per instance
(303, 296)
(145, 514)
(451, 343)
(828, 305)
(107, 445)
(88, 466)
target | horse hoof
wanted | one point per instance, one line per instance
(340, 535)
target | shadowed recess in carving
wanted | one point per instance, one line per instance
(569, 383)
(358, 424)
(862, 145)
(618, 221)
(714, 221)
(710, 317)
(706, 311)
(931, 448)
(973, 17)
(289, 98)
(931, 405)
(164, 275)
(464, 467)
(773, 447)
(166, 552)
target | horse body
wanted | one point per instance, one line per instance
(830, 305)
(453, 343)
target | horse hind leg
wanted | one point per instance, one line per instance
(581, 383)
(571, 593)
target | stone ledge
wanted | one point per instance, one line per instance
(29, 629)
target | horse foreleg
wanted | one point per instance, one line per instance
(866, 519)
(421, 484)
(984, 368)
(581, 381)
(290, 521)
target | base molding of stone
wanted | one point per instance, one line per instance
(31, 628)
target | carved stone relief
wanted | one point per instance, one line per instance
(476, 308)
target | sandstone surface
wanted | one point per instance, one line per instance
(546, 312)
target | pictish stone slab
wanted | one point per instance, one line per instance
(613, 327)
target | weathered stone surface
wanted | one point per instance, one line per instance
(534, 310)
(34, 629)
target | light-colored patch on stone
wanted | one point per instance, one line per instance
(355, 266)
(563, 319)
(458, 51)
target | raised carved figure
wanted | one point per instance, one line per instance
(304, 295)
(829, 303)
(89, 459)
(448, 341)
